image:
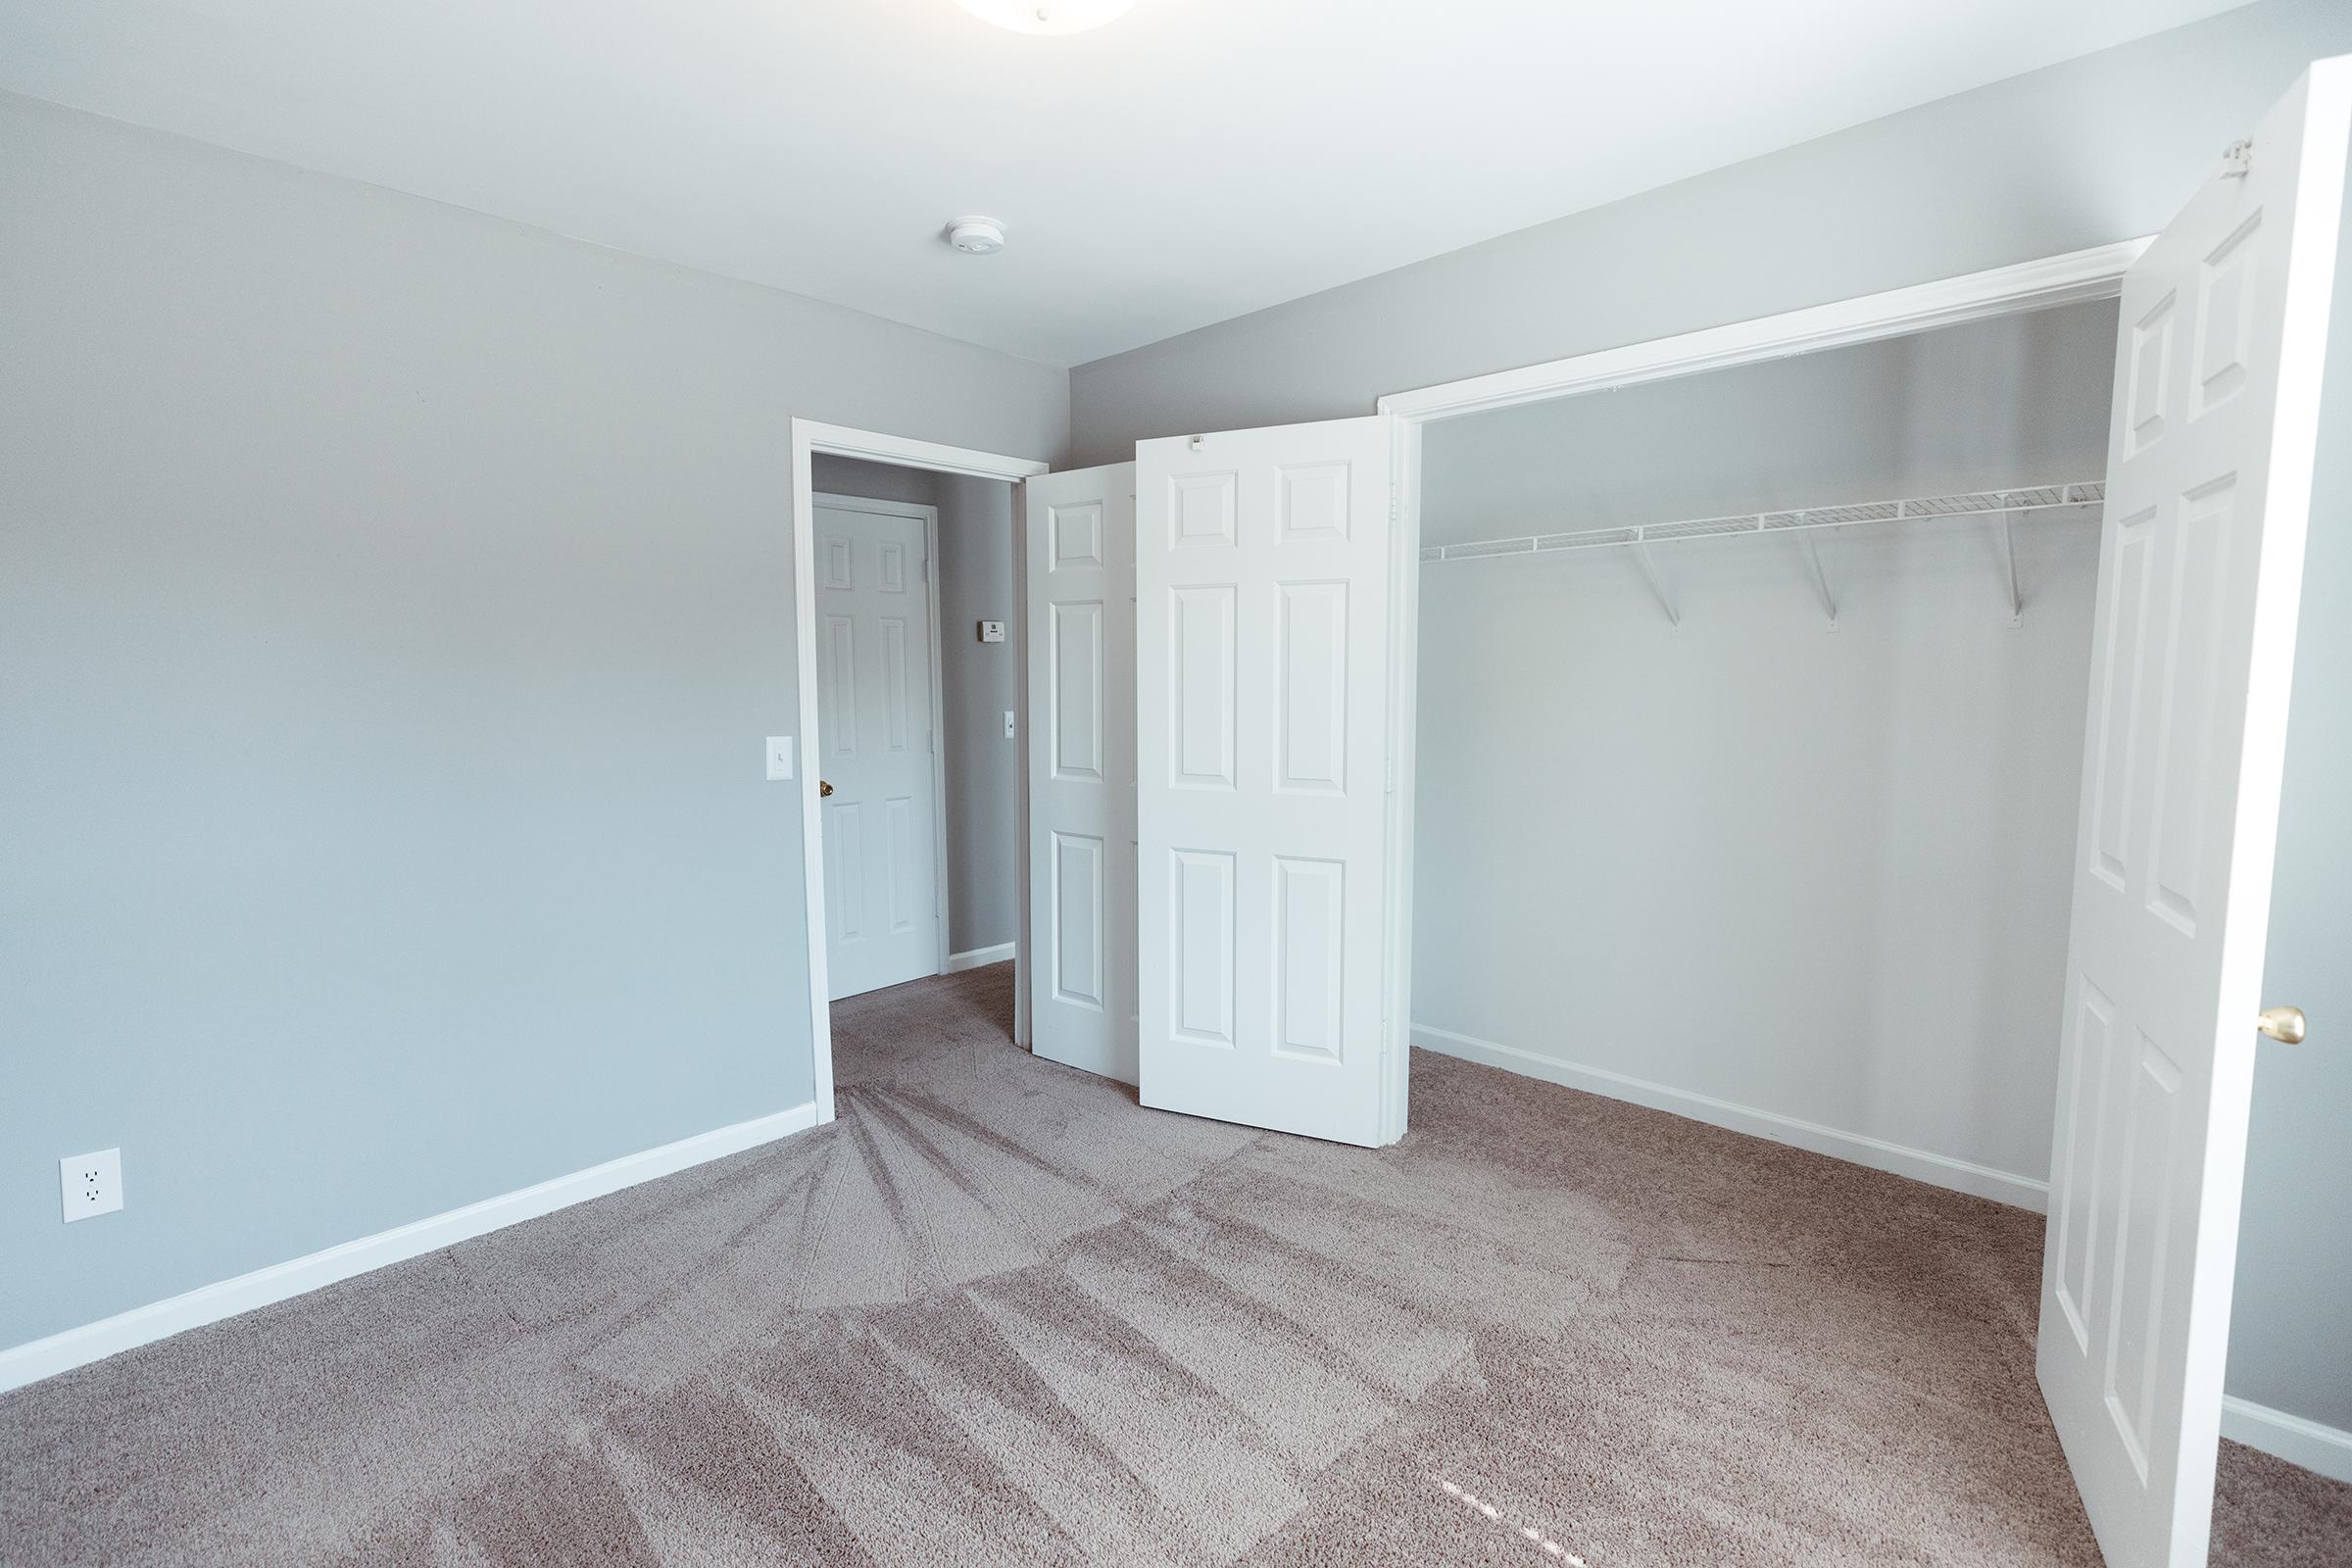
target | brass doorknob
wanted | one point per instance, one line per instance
(2282, 1024)
(824, 788)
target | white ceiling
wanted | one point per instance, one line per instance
(1193, 161)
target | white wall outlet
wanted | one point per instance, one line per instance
(992, 632)
(1008, 723)
(779, 757)
(92, 1184)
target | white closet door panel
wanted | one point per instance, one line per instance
(1080, 588)
(873, 747)
(1199, 943)
(1263, 593)
(1204, 696)
(1310, 928)
(1075, 654)
(1078, 920)
(2223, 325)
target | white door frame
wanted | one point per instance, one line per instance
(2095, 273)
(928, 516)
(809, 438)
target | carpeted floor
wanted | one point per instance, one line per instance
(997, 1313)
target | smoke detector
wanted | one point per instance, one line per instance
(1048, 16)
(976, 237)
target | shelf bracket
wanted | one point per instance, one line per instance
(2008, 543)
(1820, 579)
(1659, 583)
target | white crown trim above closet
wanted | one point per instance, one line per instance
(2095, 273)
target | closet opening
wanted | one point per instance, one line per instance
(1763, 693)
(1780, 712)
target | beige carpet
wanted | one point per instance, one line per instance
(997, 1313)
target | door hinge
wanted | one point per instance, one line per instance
(1387, 769)
(1396, 505)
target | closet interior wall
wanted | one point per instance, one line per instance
(1810, 882)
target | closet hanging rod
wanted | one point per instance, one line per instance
(1973, 504)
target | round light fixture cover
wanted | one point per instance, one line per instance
(1048, 16)
(976, 237)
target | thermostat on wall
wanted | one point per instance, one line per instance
(992, 632)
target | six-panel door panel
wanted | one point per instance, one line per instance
(1264, 575)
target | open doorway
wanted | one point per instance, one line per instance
(905, 574)
(917, 675)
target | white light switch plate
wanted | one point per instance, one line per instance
(779, 757)
(91, 1184)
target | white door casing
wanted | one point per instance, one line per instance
(875, 737)
(1263, 586)
(1079, 576)
(2216, 428)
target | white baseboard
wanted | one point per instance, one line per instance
(978, 956)
(2326, 1449)
(46, 1357)
(1940, 1170)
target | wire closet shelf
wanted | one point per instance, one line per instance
(1995, 504)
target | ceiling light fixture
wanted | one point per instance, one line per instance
(1048, 16)
(976, 237)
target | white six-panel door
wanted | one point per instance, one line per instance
(1079, 544)
(875, 735)
(1263, 576)
(2223, 327)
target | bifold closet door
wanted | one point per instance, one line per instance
(2215, 428)
(1079, 572)
(1263, 574)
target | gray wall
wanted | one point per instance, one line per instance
(975, 582)
(876, 481)
(2098, 149)
(984, 826)
(392, 603)
(1838, 859)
